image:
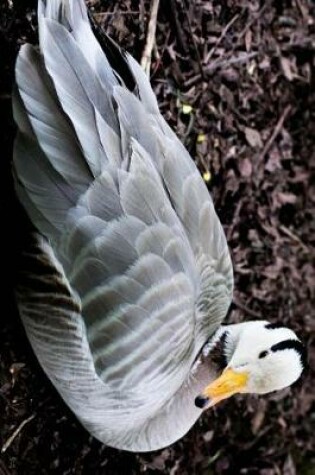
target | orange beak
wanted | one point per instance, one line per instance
(230, 382)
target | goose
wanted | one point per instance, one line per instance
(126, 276)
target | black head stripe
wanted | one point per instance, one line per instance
(295, 345)
(274, 326)
(218, 356)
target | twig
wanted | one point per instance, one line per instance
(217, 64)
(7, 444)
(302, 9)
(243, 57)
(159, 54)
(101, 15)
(243, 307)
(147, 52)
(293, 236)
(199, 61)
(179, 33)
(275, 133)
(223, 34)
(141, 18)
(252, 21)
(189, 127)
(230, 230)
(3, 469)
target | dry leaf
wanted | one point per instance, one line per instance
(208, 436)
(248, 40)
(274, 158)
(258, 420)
(287, 68)
(285, 198)
(274, 270)
(245, 167)
(289, 466)
(253, 137)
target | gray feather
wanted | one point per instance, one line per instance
(136, 121)
(135, 274)
(54, 134)
(73, 16)
(30, 162)
(147, 96)
(78, 90)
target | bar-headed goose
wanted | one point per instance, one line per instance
(127, 278)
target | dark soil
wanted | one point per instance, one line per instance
(247, 71)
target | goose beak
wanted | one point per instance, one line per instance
(230, 382)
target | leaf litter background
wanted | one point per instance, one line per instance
(235, 79)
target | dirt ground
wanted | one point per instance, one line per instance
(235, 79)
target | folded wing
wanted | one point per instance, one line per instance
(128, 218)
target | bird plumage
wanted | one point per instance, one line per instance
(128, 275)
(132, 236)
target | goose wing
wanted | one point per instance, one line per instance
(131, 227)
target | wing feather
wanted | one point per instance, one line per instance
(137, 251)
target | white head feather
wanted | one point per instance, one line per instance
(271, 355)
(261, 358)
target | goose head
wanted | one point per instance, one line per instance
(261, 357)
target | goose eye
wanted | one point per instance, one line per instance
(262, 354)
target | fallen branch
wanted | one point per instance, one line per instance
(100, 15)
(199, 60)
(178, 28)
(275, 133)
(236, 214)
(7, 444)
(252, 22)
(221, 63)
(293, 236)
(3, 469)
(147, 52)
(245, 309)
(222, 36)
